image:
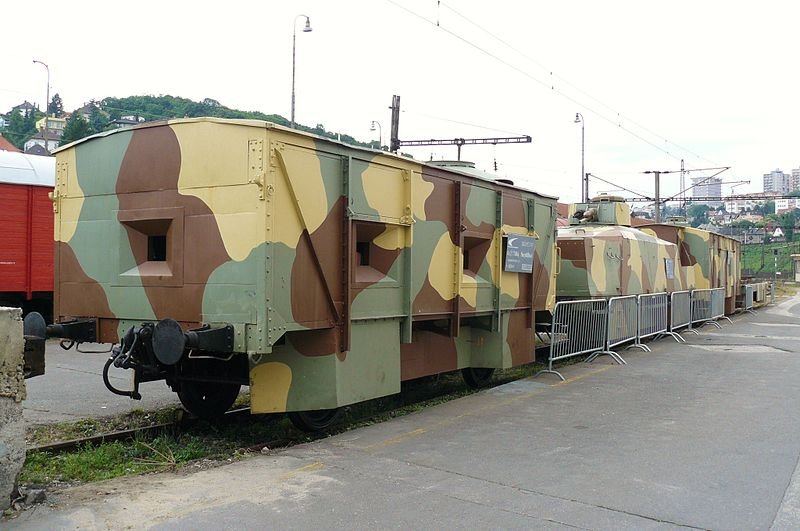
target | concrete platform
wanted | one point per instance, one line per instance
(72, 388)
(698, 435)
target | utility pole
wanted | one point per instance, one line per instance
(683, 189)
(395, 143)
(658, 193)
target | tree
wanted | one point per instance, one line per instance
(76, 128)
(20, 128)
(742, 224)
(56, 107)
(765, 208)
(97, 121)
(697, 213)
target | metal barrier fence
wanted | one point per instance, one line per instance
(718, 305)
(701, 306)
(622, 327)
(595, 326)
(622, 320)
(748, 298)
(579, 327)
(680, 313)
(653, 309)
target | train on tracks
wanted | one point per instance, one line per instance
(220, 253)
(26, 238)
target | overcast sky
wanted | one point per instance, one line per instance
(713, 82)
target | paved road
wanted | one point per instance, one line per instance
(72, 388)
(702, 435)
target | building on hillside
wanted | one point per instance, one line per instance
(706, 187)
(752, 218)
(5, 145)
(37, 149)
(777, 181)
(127, 121)
(720, 217)
(795, 179)
(785, 205)
(55, 126)
(86, 110)
(3, 121)
(748, 202)
(25, 108)
(48, 141)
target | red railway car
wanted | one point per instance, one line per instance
(26, 231)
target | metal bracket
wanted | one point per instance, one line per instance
(211, 339)
(80, 330)
(255, 165)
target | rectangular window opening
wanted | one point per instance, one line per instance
(157, 248)
(362, 251)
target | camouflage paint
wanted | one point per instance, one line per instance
(343, 271)
(604, 258)
(707, 260)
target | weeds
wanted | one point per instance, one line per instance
(173, 448)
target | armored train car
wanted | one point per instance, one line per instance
(603, 256)
(220, 253)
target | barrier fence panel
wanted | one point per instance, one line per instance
(718, 305)
(653, 310)
(701, 306)
(579, 327)
(748, 298)
(622, 325)
(680, 313)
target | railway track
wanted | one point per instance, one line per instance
(128, 434)
(430, 389)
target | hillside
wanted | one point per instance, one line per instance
(165, 107)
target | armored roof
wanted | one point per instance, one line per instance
(461, 169)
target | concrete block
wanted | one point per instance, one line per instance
(12, 393)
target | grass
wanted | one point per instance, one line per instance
(759, 258)
(242, 437)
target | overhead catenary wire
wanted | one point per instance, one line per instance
(550, 86)
(568, 83)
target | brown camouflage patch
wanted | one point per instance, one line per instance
(430, 353)
(148, 179)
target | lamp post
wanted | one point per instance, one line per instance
(380, 132)
(584, 179)
(46, 105)
(306, 29)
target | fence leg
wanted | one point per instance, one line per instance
(549, 370)
(676, 336)
(614, 356)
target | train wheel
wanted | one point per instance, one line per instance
(208, 400)
(311, 421)
(477, 377)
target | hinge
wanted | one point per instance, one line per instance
(255, 164)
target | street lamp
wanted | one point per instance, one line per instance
(584, 179)
(380, 132)
(306, 29)
(46, 105)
